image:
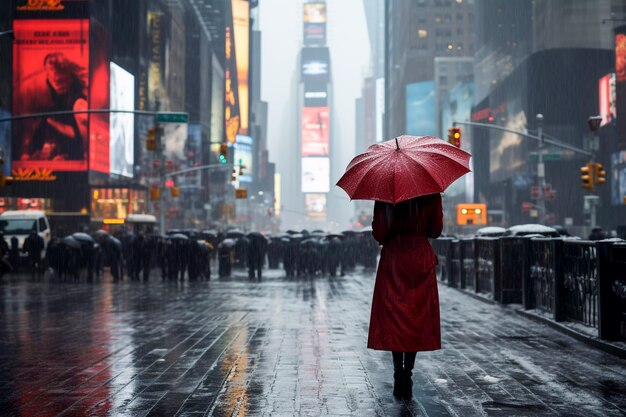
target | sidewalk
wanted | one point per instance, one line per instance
(279, 348)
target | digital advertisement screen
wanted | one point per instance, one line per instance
(122, 125)
(315, 204)
(315, 175)
(420, 109)
(607, 99)
(314, 26)
(244, 156)
(241, 26)
(620, 75)
(618, 178)
(50, 74)
(99, 129)
(315, 64)
(315, 134)
(5, 141)
(232, 117)
(193, 158)
(175, 135)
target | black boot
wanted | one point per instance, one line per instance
(398, 375)
(409, 362)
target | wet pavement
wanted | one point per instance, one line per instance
(280, 347)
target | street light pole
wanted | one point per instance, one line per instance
(541, 172)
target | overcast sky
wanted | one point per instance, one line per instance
(280, 22)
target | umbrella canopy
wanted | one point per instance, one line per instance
(83, 237)
(403, 168)
(228, 243)
(334, 235)
(234, 233)
(177, 236)
(71, 242)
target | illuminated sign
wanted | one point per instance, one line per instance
(315, 133)
(33, 174)
(315, 64)
(607, 98)
(241, 29)
(41, 5)
(314, 12)
(620, 56)
(244, 156)
(50, 73)
(231, 96)
(420, 109)
(315, 204)
(122, 125)
(487, 114)
(314, 26)
(99, 126)
(315, 175)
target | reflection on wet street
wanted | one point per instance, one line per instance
(280, 347)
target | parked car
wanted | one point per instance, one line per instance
(20, 223)
(531, 229)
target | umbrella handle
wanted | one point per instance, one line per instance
(397, 145)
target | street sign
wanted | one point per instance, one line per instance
(168, 117)
(534, 157)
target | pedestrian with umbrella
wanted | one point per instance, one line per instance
(405, 177)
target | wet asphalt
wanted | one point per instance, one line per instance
(277, 347)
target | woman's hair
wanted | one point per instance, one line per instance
(63, 66)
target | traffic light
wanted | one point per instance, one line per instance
(223, 153)
(175, 192)
(233, 175)
(599, 174)
(454, 136)
(586, 175)
(155, 193)
(241, 167)
(151, 144)
(4, 179)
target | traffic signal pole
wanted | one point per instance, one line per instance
(541, 173)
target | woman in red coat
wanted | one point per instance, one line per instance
(405, 308)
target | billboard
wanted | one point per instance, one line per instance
(606, 98)
(50, 74)
(241, 31)
(175, 135)
(122, 125)
(232, 117)
(315, 134)
(99, 139)
(314, 26)
(192, 158)
(315, 175)
(420, 109)
(244, 156)
(620, 75)
(315, 204)
(315, 64)
(618, 178)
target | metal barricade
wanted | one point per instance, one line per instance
(513, 267)
(468, 270)
(539, 290)
(441, 246)
(456, 265)
(580, 282)
(488, 265)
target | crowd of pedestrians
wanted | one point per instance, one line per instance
(181, 255)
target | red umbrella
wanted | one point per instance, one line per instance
(403, 168)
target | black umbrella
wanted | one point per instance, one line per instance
(177, 236)
(292, 232)
(71, 242)
(234, 233)
(228, 243)
(83, 237)
(332, 235)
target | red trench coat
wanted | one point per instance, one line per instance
(405, 307)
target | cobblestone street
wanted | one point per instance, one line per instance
(280, 347)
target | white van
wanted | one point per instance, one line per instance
(20, 223)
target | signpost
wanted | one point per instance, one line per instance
(169, 117)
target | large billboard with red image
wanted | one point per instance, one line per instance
(51, 74)
(620, 75)
(315, 135)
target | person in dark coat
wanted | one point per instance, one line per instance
(257, 249)
(14, 252)
(405, 305)
(33, 245)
